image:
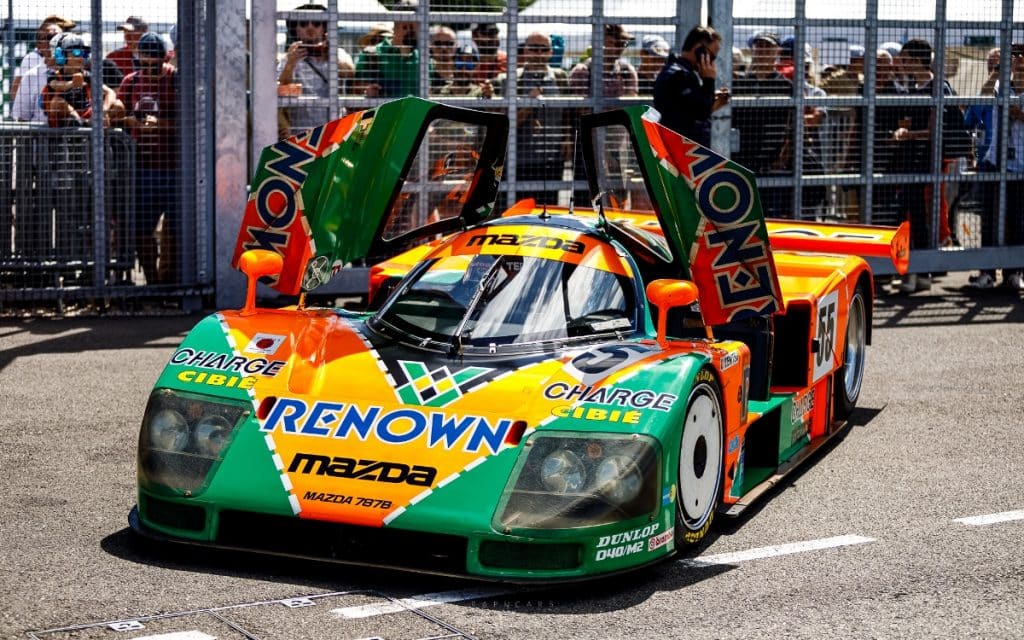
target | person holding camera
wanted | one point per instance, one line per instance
(392, 68)
(306, 64)
(67, 96)
(684, 91)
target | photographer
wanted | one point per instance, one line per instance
(306, 64)
(684, 91)
(67, 96)
(392, 68)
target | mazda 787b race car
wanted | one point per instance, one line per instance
(537, 392)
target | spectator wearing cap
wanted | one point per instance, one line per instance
(28, 87)
(764, 129)
(814, 115)
(48, 28)
(151, 104)
(391, 68)
(684, 92)
(67, 96)
(654, 52)
(619, 77)
(307, 63)
(132, 28)
(492, 58)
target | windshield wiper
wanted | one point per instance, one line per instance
(457, 335)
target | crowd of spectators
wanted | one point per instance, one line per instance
(53, 88)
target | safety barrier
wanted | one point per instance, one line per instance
(49, 225)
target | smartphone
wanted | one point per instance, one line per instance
(701, 53)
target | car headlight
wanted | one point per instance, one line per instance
(210, 435)
(168, 430)
(183, 436)
(619, 478)
(563, 472)
(569, 480)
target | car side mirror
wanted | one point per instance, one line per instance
(255, 264)
(667, 295)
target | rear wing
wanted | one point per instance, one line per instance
(892, 243)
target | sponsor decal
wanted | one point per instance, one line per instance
(217, 379)
(596, 414)
(802, 405)
(438, 387)
(660, 540)
(353, 469)
(729, 359)
(669, 495)
(825, 335)
(227, 362)
(324, 419)
(613, 396)
(623, 544)
(337, 498)
(734, 443)
(264, 344)
(526, 240)
(597, 363)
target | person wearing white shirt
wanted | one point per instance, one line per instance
(35, 58)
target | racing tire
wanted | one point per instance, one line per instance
(700, 462)
(850, 376)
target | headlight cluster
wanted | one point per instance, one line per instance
(182, 436)
(568, 481)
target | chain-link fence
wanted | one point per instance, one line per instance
(871, 111)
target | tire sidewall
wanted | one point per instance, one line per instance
(705, 384)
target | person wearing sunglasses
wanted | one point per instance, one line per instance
(492, 58)
(542, 141)
(391, 69)
(36, 57)
(306, 64)
(462, 83)
(67, 96)
(442, 56)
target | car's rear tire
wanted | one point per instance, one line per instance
(700, 461)
(850, 376)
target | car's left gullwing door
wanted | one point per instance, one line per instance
(369, 185)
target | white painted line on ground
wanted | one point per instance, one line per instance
(447, 597)
(776, 550)
(179, 635)
(991, 518)
(417, 602)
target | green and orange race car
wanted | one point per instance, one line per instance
(540, 393)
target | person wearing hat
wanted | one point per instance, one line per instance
(133, 27)
(151, 104)
(684, 92)
(67, 96)
(619, 77)
(654, 52)
(306, 63)
(462, 83)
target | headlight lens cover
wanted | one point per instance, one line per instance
(183, 435)
(570, 480)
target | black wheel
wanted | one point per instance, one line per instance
(700, 462)
(849, 377)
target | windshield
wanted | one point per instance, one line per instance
(492, 300)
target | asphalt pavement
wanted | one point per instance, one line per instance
(910, 526)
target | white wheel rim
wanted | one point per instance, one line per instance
(856, 337)
(700, 454)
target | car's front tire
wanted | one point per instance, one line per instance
(700, 461)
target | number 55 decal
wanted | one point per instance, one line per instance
(825, 334)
